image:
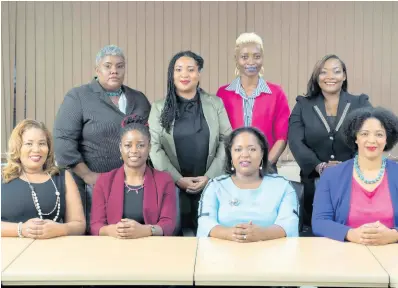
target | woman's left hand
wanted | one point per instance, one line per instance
(247, 232)
(378, 234)
(130, 229)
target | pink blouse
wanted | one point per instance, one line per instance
(369, 207)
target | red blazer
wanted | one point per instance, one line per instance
(270, 112)
(159, 201)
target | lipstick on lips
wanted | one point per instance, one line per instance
(251, 69)
(371, 148)
(184, 82)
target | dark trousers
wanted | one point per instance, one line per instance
(309, 192)
(86, 193)
(189, 205)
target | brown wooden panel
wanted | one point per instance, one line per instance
(223, 46)
(131, 52)
(58, 56)
(113, 23)
(67, 14)
(141, 46)
(386, 54)
(357, 75)
(21, 61)
(12, 10)
(104, 23)
(340, 28)
(367, 49)
(321, 28)
(241, 19)
(77, 44)
(349, 10)
(41, 103)
(304, 70)
(267, 36)
(313, 56)
(195, 27)
(160, 70)
(122, 31)
(49, 62)
(377, 50)
(87, 69)
(168, 37)
(294, 55)
(30, 61)
(186, 25)
(231, 39)
(4, 120)
(330, 26)
(95, 31)
(212, 61)
(150, 51)
(250, 15)
(276, 76)
(205, 44)
(285, 45)
(177, 31)
(394, 60)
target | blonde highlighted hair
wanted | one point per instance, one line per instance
(248, 38)
(13, 168)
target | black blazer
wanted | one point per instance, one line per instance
(311, 139)
(87, 127)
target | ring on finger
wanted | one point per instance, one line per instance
(244, 237)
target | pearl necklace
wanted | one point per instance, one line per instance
(362, 177)
(36, 201)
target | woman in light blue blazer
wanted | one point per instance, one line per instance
(248, 204)
(357, 200)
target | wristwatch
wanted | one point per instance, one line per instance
(153, 230)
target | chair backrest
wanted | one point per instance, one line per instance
(178, 219)
(299, 188)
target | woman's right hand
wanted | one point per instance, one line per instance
(30, 226)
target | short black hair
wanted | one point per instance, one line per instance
(356, 118)
(313, 89)
(170, 111)
(262, 140)
(135, 122)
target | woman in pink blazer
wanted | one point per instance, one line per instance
(135, 200)
(252, 101)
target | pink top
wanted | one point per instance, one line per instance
(270, 112)
(369, 207)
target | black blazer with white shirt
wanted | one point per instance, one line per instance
(311, 139)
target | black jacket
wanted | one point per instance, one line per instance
(87, 127)
(311, 139)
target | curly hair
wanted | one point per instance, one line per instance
(135, 122)
(262, 141)
(170, 111)
(13, 168)
(313, 89)
(356, 118)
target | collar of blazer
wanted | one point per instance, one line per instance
(96, 87)
(211, 115)
(342, 110)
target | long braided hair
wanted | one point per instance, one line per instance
(170, 111)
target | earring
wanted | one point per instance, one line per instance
(261, 165)
(121, 158)
(261, 72)
(236, 71)
(232, 166)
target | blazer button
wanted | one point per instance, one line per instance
(331, 138)
(332, 156)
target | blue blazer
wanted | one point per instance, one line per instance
(333, 195)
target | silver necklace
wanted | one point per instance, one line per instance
(36, 200)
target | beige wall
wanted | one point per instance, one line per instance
(55, 43)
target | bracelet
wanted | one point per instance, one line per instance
(20, 230)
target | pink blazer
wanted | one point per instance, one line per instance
(270, 112)
(159, 200)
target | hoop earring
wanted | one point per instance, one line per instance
(232, 166)
(236, 72)
(261, 74)
(261, 165)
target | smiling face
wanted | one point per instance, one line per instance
(249, 59)
(34, 150)
(331, 76)
(371, 139)
(246, 154)
(186, 75)
(134, 148)
(110, 72)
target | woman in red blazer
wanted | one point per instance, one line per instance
(252, 101)
(134, 200)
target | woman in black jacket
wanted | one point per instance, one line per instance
(315, 137)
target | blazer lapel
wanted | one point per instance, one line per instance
(130, 101)
(98, 89)
(342, 110)
(116, 198)
(169, 141)
(209, 113)
(320, 111)
(393, 186)
(150, 205)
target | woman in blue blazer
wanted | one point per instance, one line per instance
(357, 200)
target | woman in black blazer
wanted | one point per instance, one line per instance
(315, 137)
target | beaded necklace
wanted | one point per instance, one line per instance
(362, 177)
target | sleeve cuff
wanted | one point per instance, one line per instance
(205, 226)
